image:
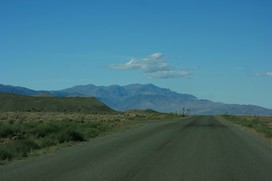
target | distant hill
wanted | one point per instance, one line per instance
(14, 102)
(149, 96)
(16, 90)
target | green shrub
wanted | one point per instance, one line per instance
(9, 130)
(69, 135)
(21, 148)
(6, 131)
(4, 154)
(47, 142)
(44, 129)
(93, 132)
(17, 149)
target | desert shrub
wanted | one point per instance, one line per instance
(101, 126)
(17, 149)
(24, 132)
(5, 154)
(21, 148)
(6, 131)
(47, 142)
(65, 131)
(92, 132)
(94, 129)
(67, 135)
(45, 129)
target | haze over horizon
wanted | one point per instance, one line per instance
(216, 50)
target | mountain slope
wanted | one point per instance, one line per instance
(14, 102)
(16, 90)
(134, 96)
(148, 96)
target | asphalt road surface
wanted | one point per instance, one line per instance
(197, 148)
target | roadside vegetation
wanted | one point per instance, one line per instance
(260, 124)
(24, 134)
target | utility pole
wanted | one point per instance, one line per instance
(188, 111)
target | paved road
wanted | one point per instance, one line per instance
(197, 148)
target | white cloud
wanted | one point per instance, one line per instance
(268, 73)
(168, 74)
(153, 66)
(265, 74)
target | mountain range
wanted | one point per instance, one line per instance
(145, 96)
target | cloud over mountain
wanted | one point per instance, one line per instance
(153, 66)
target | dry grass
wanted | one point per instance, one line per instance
(59, 116)
(260, 124)
(56, 116)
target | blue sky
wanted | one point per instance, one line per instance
(216, 50)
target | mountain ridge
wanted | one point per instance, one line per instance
(146, 96)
